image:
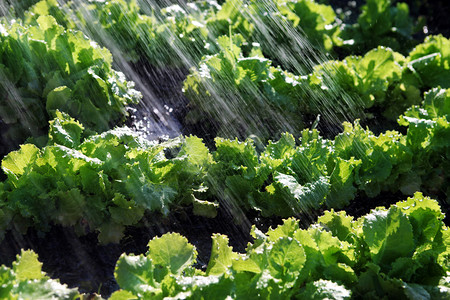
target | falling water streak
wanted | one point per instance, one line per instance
(4, 9)
(152, 106)
(26, 120)
(14, 99)
(300, 58)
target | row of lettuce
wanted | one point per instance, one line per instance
(336, 258)
(232, 95)
(144, 30)
(109, 181)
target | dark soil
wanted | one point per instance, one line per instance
(81, 262)
(435, 14)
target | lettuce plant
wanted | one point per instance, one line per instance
(366, 87)
(45, 68)
(169, 36)
(25, 280)
(109, 181)
(103, 183)
(428, 63)
(381, 23)
(336, 258)
(234, 95)
(428, 135)
(286, 179)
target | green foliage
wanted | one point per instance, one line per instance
(17, 7)
(361, 161)
(105, 182)
(45, 68)
(427, 137)
(222, 255)
(324, 289)
(317, 21)
(362, 84)
(25, 280)
(187, 33)
(383, 158)
(429, 62)
(229, 89)
(274, 183)
(103, 22)
(283, 28)
(181, 34)
(108, 181)
(381, 24)
(117, 22)
(286, 179)
(170, 36)
(232, 95)
(337, 258)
